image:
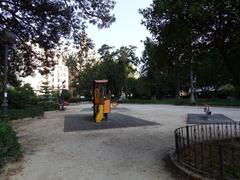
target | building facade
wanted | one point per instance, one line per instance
(57, 79)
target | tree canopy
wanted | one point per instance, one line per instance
(116, 65)
(44, 23)
(199, 34)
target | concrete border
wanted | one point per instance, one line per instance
(187, 172)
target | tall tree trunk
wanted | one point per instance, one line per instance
(125, 77)
(177, 95)
(192, 98)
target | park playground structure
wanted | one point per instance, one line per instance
(101, 100)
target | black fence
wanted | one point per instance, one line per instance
(212, 150)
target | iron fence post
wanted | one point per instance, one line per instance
(221, 163)
(177, 145)
(199, 147)
(187, 132)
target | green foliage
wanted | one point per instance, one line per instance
(229, 91)
(30, 111)
(78, 62)
(209, 101)
(55, 95)
(33, 110)
(46, 90)
(161, 70)
(139, 88)
(66, 94)
(210, 70)
(202, 33)
(45, 23)
(219, 102)
(74, 100)
(115, 65)
(10, 149)
(23, 103)
(48, 105)
(21, 97)
(162, 101)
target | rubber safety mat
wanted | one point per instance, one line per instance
(80, 122)
(203, 119)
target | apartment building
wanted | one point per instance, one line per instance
(57, 79)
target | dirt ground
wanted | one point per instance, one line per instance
(134, 153)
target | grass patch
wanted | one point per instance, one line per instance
(219, 102)
(212, 102)
(206, 157)
(10, 149)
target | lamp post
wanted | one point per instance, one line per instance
(62, 98)
(8, 39)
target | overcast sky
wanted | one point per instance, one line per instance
(127, 30)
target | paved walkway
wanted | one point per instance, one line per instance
(133, 153)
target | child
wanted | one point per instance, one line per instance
(106, 107)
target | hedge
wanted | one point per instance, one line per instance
(32, 111)
(10, 149)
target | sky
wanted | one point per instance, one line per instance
(126, 30)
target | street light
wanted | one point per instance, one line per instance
(8, 39)
(62, 98)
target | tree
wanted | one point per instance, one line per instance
(217, 24)
(126, 59)
(153, 67)
(173, 39)
(46, 90)
(160, 70)
(44, 23)
(106, 53)
(111, 66)
(110, 69)
(105, 68)
(66, 94)
(21, 97)
(192, 35)
(191, 28)
(77, 62)
(210, 71)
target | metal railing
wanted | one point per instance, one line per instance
(212, 150)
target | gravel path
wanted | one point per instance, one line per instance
(133, 153)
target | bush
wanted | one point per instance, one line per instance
(66, 94)
(229, 90)
(10, 149)
(31, 111)
(49, 105)
(21, 97)
(74, 100)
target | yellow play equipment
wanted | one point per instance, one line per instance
(99, 115)
(101, 100)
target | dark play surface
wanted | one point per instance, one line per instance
(203, 119)
(79, 122)
(118, 109)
